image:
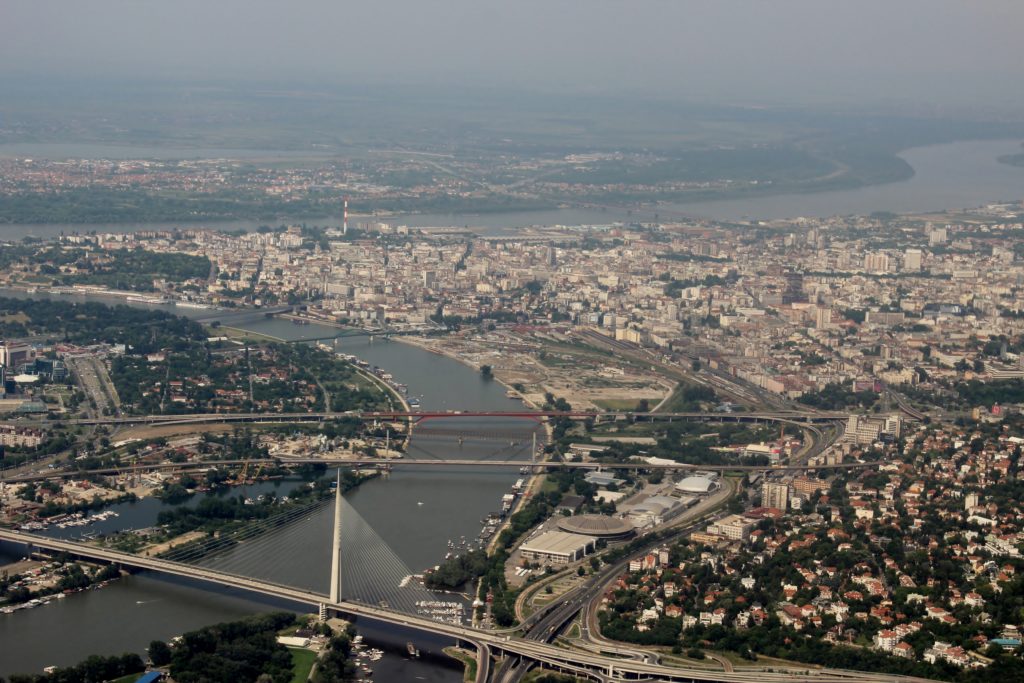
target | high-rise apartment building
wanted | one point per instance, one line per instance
(774, 495)
(912, 260)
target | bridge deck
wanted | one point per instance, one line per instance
(498, 641)
(377, 463)
(798, 418)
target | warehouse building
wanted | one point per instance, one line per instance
(602, 479)
(557, 547)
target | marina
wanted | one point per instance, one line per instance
(76, 519)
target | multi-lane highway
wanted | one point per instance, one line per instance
(582, 600)
(545, 625)
(94, 379)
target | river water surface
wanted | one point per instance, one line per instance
(133, 611)
(414, 510)
(949, 176)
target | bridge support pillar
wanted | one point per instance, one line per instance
(336, 546)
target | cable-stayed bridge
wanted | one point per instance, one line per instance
(368, 580)
(377, 463)
(370, 571)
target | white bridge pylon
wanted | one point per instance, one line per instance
(365, 569)
(336, 545)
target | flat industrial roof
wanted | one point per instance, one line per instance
(557, 543)
(602, 478)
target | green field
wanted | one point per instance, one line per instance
(130, 678)
(302, 664)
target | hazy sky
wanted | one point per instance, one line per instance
(925, 51)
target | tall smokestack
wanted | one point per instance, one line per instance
(344, 222)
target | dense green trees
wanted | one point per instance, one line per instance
(977, 393)
(232, 652)
(107, 205)
(215, 512)
(312, 376)
(95, 669)
(237, 651)
(456, 571)
(664, 631)
(839, 397)
(775, 640)
(132, 270)
(74, 578)
(335, 664)
(144, 331)
(159, 653)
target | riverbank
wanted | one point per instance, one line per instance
(949, 175)
(544, 365)
(239, 333)
(510, 391)
(536, 481)
(392, 392)
(40, 582)
(145, 298)
(468, 660)
(387, 387)
(415, 511)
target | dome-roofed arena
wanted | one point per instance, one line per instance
(697, 485)
(599, 526)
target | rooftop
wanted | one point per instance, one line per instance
(557, 542)
(596, 525)
(695, 485)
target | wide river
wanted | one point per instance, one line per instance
(417, 512)
(949, 176)
(414, 511)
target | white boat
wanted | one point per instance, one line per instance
(191, 304)
(154, 300)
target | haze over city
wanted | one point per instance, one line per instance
(914, 53)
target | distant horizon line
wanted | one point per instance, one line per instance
(280, 84)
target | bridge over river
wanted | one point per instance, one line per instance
(507, 642)
(788, 417)
(382, 464)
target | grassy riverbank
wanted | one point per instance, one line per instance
(468, 660)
